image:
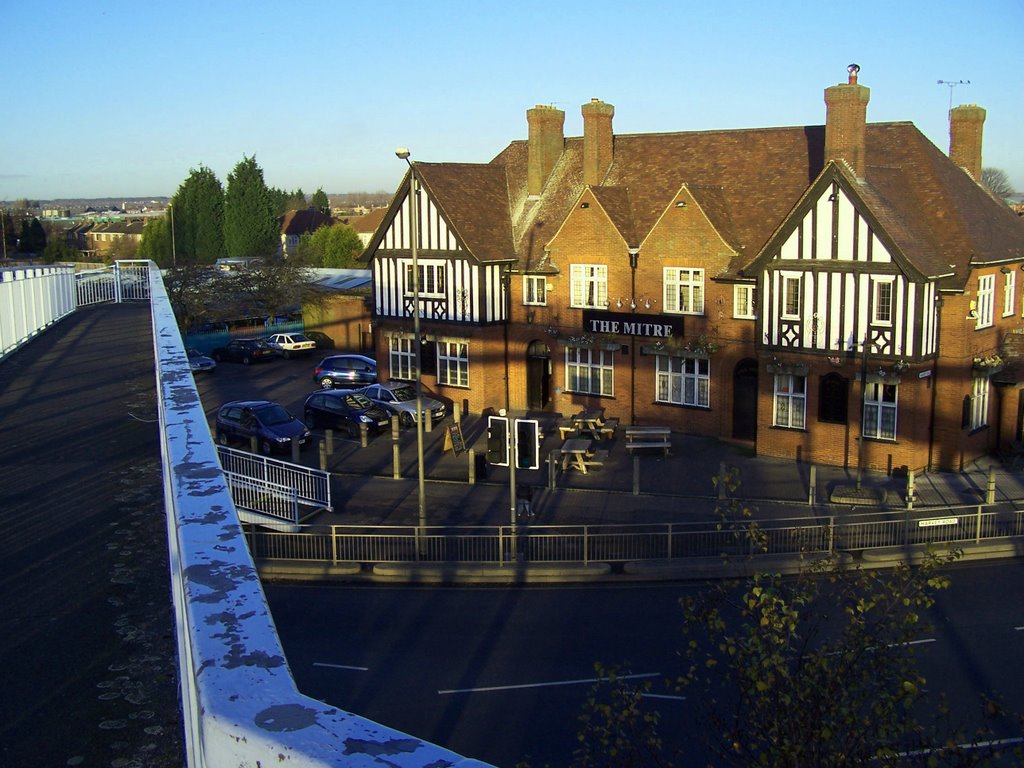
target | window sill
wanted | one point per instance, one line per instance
(791, 429)
(687, 406)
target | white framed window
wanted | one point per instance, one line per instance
(883, 299)
(880, 410)
(791, 297)
(589, 286)
(1009, 289)
(986, 298)
(589, 371)
(535, 290)
(453, 363)
(790, 401)
(744, 301)
(684, 290)
(402, 357)
(684, 381)
(979, 402)
(432, 278)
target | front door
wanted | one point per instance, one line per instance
(744, 400)
(538, 376)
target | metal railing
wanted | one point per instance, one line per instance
(339, 544)
(311, 487)
(121, 281)
(32, 299)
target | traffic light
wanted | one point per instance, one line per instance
(497, 440)
(527, 444)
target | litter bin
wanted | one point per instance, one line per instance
(480, 466)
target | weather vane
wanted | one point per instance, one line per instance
(952, 84)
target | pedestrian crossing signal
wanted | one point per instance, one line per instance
(527, 444)
(497, 440)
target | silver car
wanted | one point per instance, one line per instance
(400, 397)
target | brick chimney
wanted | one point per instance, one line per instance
(597, 140)
(544, 147)
(965, 127)
(846, 108)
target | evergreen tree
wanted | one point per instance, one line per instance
(321, 202)
(33, 236)
(335, 246)
(250, 223)
(156, 242)
(196, 218)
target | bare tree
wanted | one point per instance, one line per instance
(998, 182)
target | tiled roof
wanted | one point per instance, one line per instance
(368, 222)
(747, 182)
(305, 220)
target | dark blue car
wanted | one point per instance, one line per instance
(272, 425)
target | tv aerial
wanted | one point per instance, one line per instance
(952, 84)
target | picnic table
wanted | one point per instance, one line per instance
(579, 453)
(593, 422)
(648, 437)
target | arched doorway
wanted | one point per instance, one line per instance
(538, 376)
(744, 400)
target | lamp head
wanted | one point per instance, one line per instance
(402, 153)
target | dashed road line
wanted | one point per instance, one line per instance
(549, 684)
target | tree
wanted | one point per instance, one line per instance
(336, 246)
(156, 242)
(287, 201)
(250, 223)
(124, 248)
(58, 250)
(33, 236)
(812, 670)
(196, 218)
(321, 202)
(998, 182)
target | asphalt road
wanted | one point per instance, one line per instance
(500, 674)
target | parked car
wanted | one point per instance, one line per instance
(346, 371)
(289, 344)
(273, 426)
(199, 362)
(400, 397)
(323, 341)
(341, 409)
(244, 351)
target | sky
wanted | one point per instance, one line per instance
(123, 99)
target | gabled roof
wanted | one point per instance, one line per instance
(303, 221)
(367, 223)
(747, 182)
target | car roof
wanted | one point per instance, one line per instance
(395, 384)
(248, 403)
(364, 358)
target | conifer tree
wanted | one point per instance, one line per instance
(250, 223)
(197, 209)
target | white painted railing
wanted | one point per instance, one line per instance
(239, 699)
(31, 299)
(312, 486)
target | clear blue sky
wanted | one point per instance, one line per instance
(116, 98)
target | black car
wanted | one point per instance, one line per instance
(346, 371)
(338, 409)
(244, 351)
(273, 426)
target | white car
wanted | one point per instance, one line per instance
(289, 344)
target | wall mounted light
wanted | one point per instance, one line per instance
(680, 204)
(1005, 270)
(584, 205)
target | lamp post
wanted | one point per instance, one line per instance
(634, 259)
(403, 154)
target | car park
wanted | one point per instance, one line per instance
(292, 344)
(198, 362)
(272, 425)
(400, 397)
(244, 351)
(343, 409)
(345, 371)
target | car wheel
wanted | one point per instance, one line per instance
(246, 360)
(310, 420)
(265, 447)
(326, 383)
(222, 439)
(407, 419)
(353, 429)
(287, 354)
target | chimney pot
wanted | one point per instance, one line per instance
(544, 147)
(598, 141)
(965, 130)
(846, 107)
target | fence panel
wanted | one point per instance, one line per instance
(313, 486)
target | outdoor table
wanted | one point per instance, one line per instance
(575, 452)
(593, 422)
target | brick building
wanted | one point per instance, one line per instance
(841, 293)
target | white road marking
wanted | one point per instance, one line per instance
(663, 696)
(340, 666)
(550, 684)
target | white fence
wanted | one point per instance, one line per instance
(121, 281)
(31, 299)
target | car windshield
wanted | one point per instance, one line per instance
(300, 337)
(404, 394)
(272, 415)
(357, 401)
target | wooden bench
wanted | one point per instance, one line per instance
(568, 428)
(649, 437)
(597, 459)
(607, 429)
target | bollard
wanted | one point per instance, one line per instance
(323, 457)
(295, 450)
(910, 489)
(990, 496)
(364, 435)
(811, 482)
(329, 437)
(636, 475)
(553, 458)
(396, 469)
(457, 412)
(395, 427)
(254, 444)
(428, 420)
(472, 466)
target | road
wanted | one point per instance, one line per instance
(500, 674)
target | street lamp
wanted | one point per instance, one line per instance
(634, 260)
(403, 154)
